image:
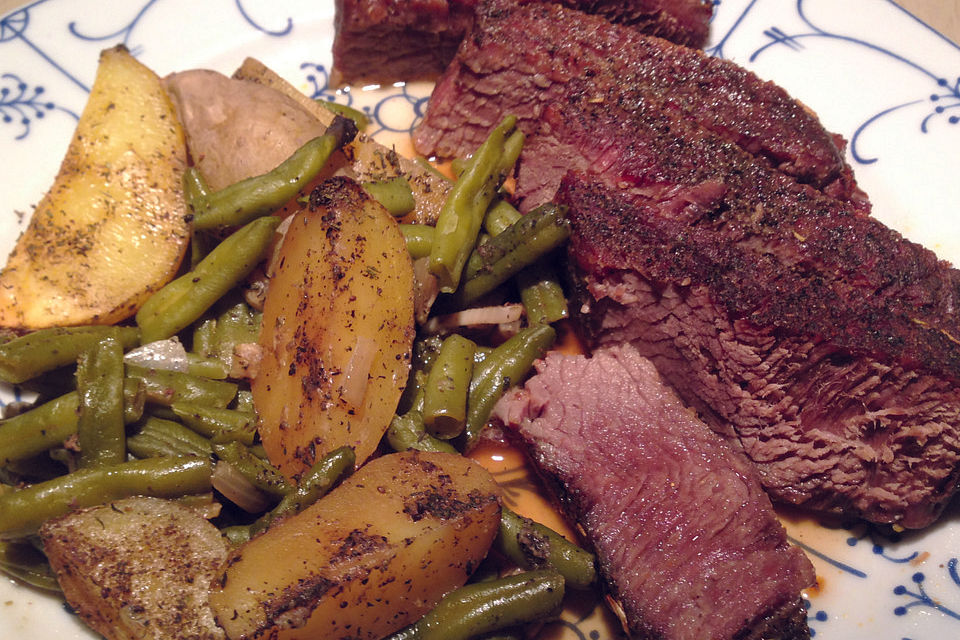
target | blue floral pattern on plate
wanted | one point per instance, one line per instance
(896, 99)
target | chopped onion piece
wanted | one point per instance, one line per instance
(279, 235)
(357, 370)
(255, 289)
(246, 360)
(425, 290)
(476, 317)
(237, 489)
(167, 354)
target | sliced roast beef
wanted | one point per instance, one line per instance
(686, 539)
(385, 41)
(820, 340)
(522, 59)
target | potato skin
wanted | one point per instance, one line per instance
(113, 227)
(339, 304)
(367, 159)
(237, 129)
(371, 557)
(138, 568)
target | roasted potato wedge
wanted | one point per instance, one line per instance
(366, 159)
(138, 568)
(337, 330)
(368, 559)
(113, 227)
(236, 129)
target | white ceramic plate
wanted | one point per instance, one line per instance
(881, 78)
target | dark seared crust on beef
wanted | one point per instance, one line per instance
(522, 59)
(384, 41)
(775, 253)
(819, 340)
(683, 22)
(685, 537)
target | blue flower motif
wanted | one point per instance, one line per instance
(947, 97)
(20, 104)
(921, 598)
(880, 539)
(818, 616)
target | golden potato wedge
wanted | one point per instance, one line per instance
(367, 159)
(138, 568)
(337, 330)
(113, 227)
(371, 557)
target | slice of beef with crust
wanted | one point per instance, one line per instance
(820, 340)
(686, 539)
(385, 41)
(521, 59)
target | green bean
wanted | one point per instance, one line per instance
(215, 339)
(531, 545)
(359, 117)
(244, 401)
(196, 190)
(413, 392)
(25, 562)
(24, 510)
(458, 166)
(525, 229)
(237, 324)
(461, 216)
(217, 424)
(445, 392)
(180, 302)
(203, 336)
(499, 217)
(166, 387)
(261, 195)
(134, 399)
(258, 451)
(39, 429)
(158, 437)
(504, 367)
(425, 352)
(540, 289)
(486, 607)
(425, 164)
(100, 423)
(201, 244)
(47, 426)
(522, 244)
(481, 354)
(258, 472)
(407, 432)
(44, 350)
(207, 366)
(541, 294)
(237, 534)
(162, 412)
(419, 239)
(394, 194)
(312, 486)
